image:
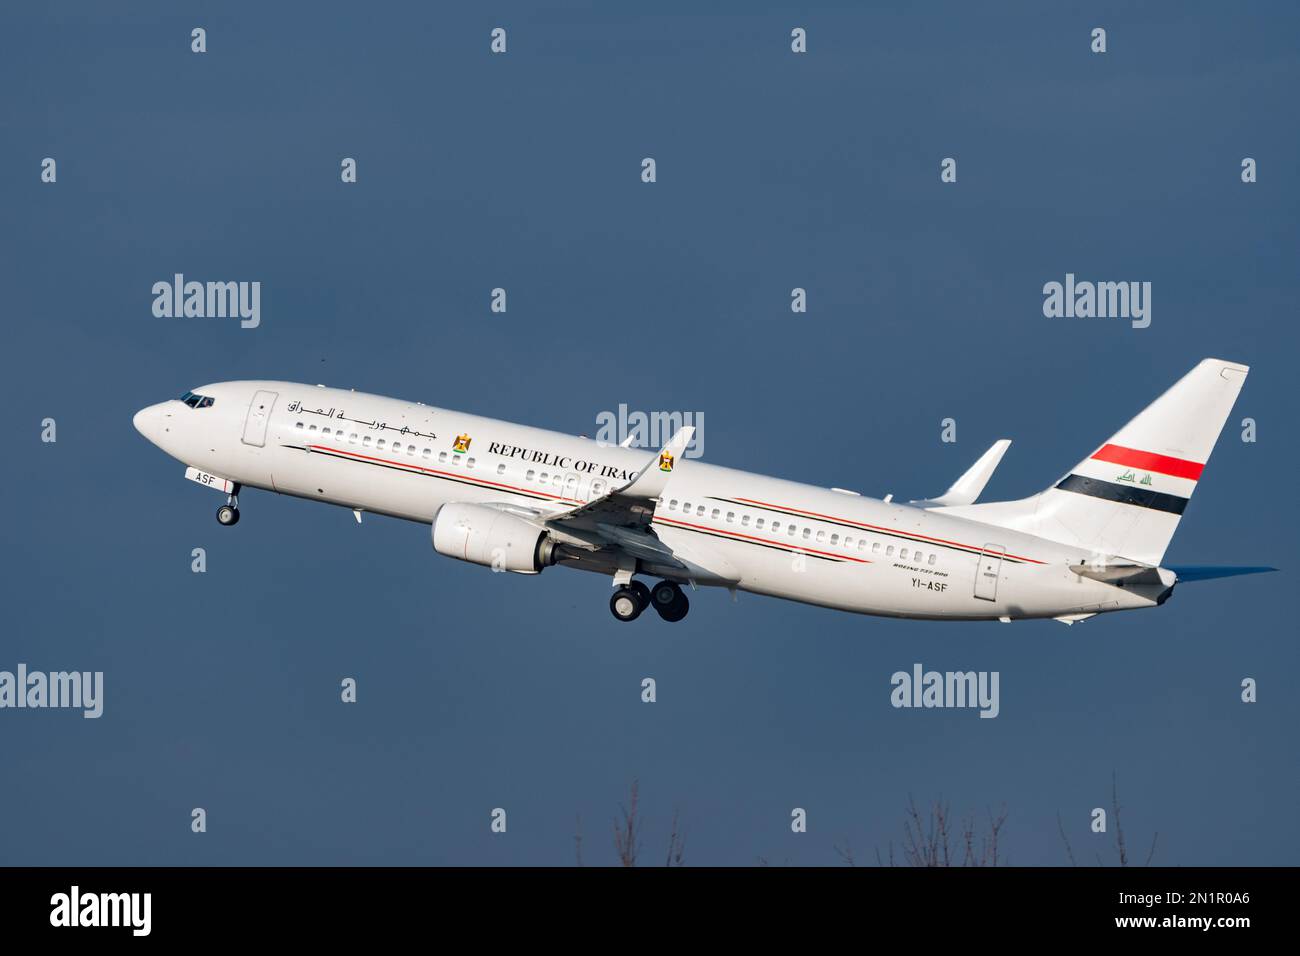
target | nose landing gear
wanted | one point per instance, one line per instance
(228, 513)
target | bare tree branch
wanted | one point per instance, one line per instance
(627, 836)
(1069, 852)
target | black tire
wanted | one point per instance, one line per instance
(664, 595)
(642, 593)
(669, 601)
(625, 604)
(227, 515)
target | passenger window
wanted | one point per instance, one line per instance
(790, 530)
(442, 457)
(469, 462)
(875, 548)
(835, 539)
(889, 551)
(931, 559)
(716, 512)
(759, 524)
(352, 438)
(380, 444)
(821, 536)
(427, 453)
(545, 477)
(731, 517)
(776, 526)
(807, 533)
(501, 469)
(365, 442)
(699, 511)
(903, 554)
(298, 426)
(410, 449)
(686, 508)
(744, 521)
(311, 428)
(672, 505)
(862, 544)
(529, 476)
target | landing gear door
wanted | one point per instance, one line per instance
(990, 569)
(259, 414)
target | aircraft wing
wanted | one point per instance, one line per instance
(620, 521)
(631, 505)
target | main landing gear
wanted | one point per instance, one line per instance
(665, 597)
(228, 513)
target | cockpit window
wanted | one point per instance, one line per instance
(194, 400)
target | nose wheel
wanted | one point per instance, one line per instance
(228, 513)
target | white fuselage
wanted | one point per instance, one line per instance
(745, 531)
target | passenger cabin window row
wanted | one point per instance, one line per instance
(382, 444)
(803, 532)
(554, 481)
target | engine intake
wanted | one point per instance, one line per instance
(491, 537)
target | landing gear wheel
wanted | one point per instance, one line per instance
(670, 601)
(227, 515)
(642, 593)
(626, 604)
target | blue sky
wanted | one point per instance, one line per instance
(522, 171)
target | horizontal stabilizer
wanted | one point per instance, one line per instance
(968, 487)
(1128, 575)
(1204, 572)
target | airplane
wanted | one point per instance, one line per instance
(521, 499)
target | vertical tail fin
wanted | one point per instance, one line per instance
(1125, 498)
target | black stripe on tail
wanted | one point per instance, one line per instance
(1124, 494)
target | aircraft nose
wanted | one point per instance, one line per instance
(148, 422)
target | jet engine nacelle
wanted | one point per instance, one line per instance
(491, 537)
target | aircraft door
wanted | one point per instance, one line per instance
(990, 568)
(259, 415)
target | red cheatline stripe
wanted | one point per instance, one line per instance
(873, 527)
(1149, 461)
(749, 537)
(433, 471)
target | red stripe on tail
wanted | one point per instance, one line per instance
(1148, 461)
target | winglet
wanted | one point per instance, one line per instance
(968, 487)
(651, 480)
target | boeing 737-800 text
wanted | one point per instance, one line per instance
(516, 498)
